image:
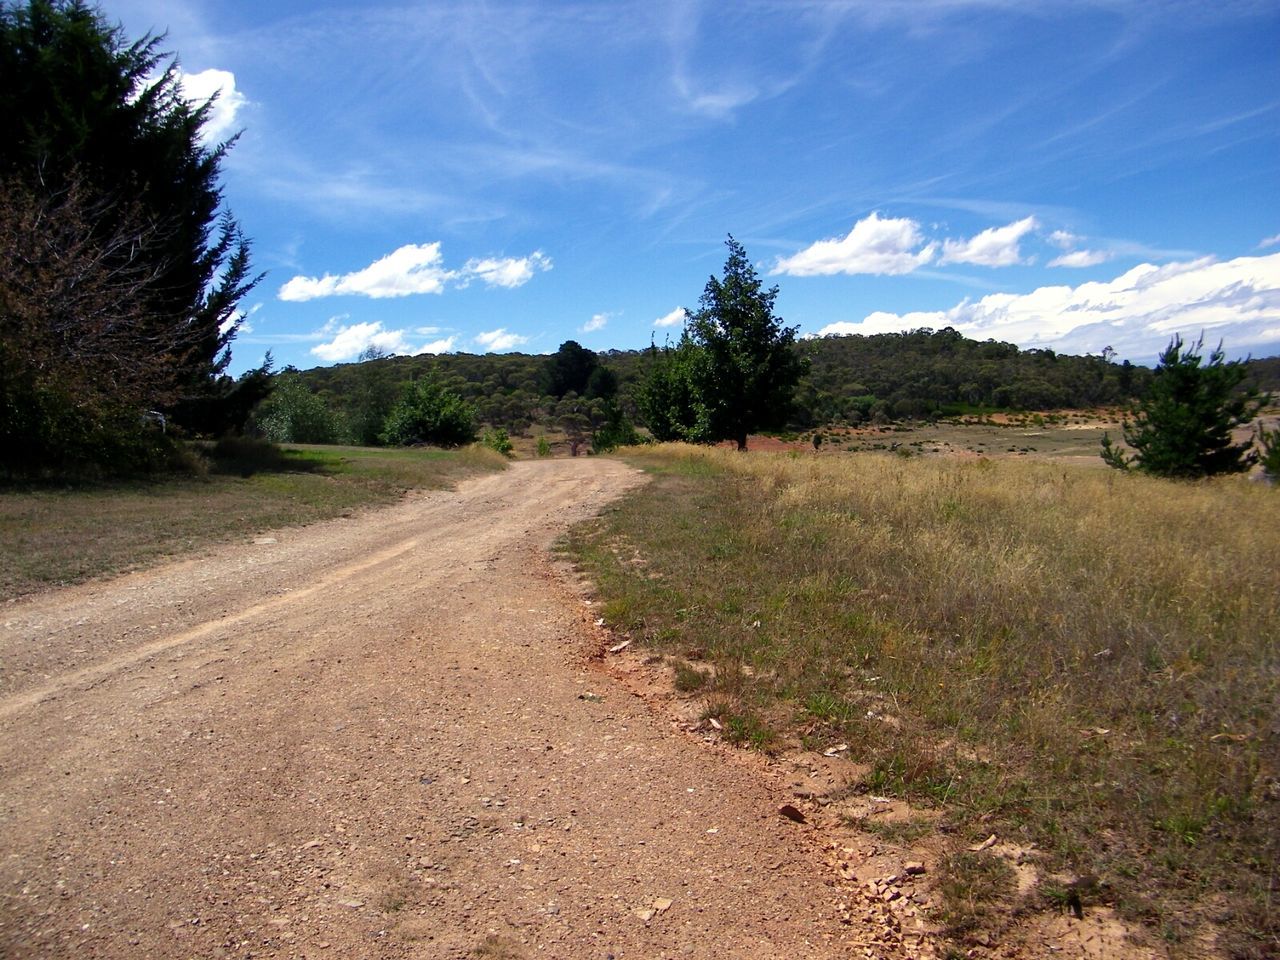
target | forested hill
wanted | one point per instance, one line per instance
(850, 379)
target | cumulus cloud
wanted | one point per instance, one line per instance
(1081, 258)
(1073, 257)
(597, 322)
(874, 245)
(199, 87)
(416, 268)
(347, 341)
(507, 272)
(993, 247)
(672, 319)
(444, 345)
(500, 339)
(1137, 313)
(413, 268)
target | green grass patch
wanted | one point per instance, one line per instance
(54, 536)
(1086, 660)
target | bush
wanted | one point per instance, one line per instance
(429, 412)
(293, 414)
(498, 441)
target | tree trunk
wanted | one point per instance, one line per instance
(742, 443)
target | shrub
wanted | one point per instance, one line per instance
(293, 414)
(429, 412)
(498, 441)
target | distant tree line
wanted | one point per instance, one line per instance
(849, 379)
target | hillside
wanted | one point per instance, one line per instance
(851, 379)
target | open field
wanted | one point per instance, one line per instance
(1034, 436)
(1083, 662)
(60, 536)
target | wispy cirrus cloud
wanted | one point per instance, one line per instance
(416, 269)
(878, 245)
(1136, 313)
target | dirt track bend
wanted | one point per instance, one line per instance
(373, 737)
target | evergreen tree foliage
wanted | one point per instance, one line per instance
(1183, 427)
(568, 370)
(745, 367)
(430, 412)
(616, 431)
(94, 120)
(1268, 442)
(602, 384)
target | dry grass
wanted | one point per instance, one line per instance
(60, 536)
(1083, 659)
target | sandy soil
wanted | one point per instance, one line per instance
(385, 737)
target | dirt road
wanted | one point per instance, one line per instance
(377, 737)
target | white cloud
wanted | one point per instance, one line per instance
(507, 272)
(416, 268)
(350, 341)
(500, 339)
(993, 247)
(437, 346)
(1137, 313)
(672, 319)
(1063, 240)
(597, 322)
(199, 87)
(874, 245)
(413, 268)
(1080, 258)
(1269, 241)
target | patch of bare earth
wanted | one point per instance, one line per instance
(383, 737)
(883, 856)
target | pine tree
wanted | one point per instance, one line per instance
(1183, 427)
(744, 367)
(90, 115)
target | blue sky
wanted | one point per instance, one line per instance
(481, 176)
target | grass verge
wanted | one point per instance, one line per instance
(54, 537)
(1070, 657)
